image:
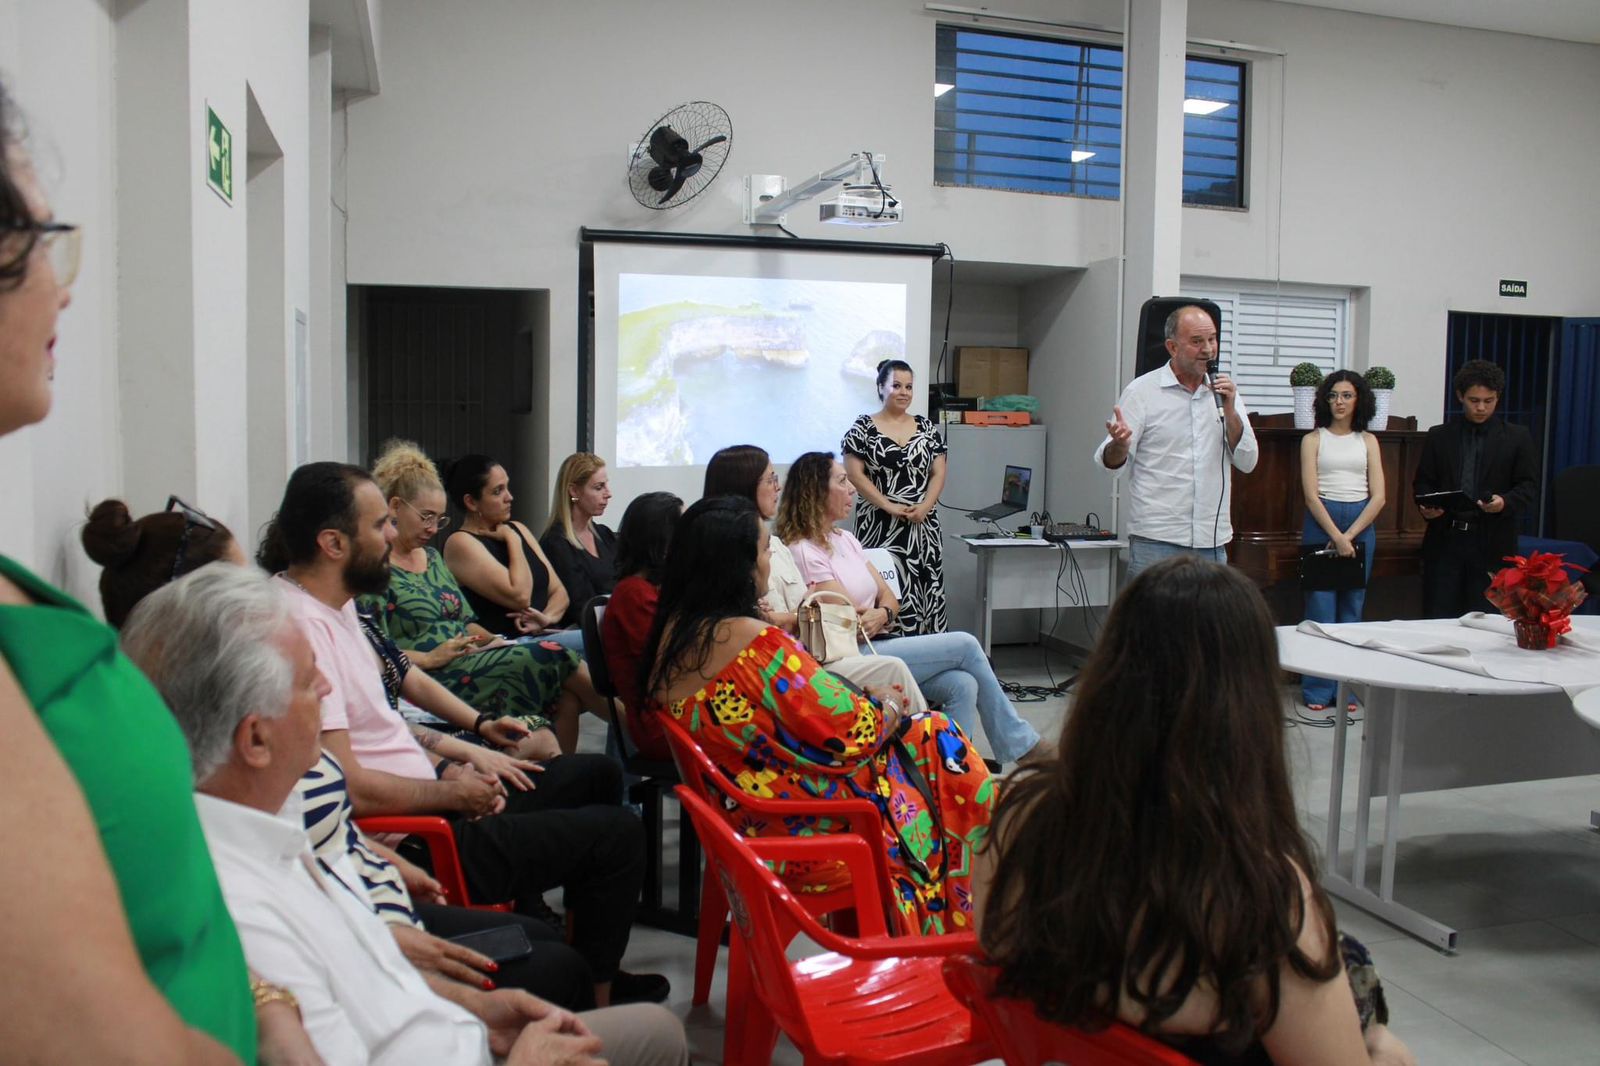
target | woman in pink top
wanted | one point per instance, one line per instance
(949, 667)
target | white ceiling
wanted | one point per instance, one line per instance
(1561, 20)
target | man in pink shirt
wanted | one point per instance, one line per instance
(330, 541)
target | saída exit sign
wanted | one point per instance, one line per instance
(1513, 288)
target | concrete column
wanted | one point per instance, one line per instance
(327, 385)
(157, 174)
(1152, 159)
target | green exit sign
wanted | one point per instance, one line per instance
(1513, 288)
(219, 156)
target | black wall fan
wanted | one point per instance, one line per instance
(679, 155)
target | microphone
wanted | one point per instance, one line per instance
(1212, 367)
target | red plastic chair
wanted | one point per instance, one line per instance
(1025, 1039)
(440, 839)
(866, 999)
(705, 780)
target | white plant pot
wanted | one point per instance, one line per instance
(1305, 398)
(1380, 409)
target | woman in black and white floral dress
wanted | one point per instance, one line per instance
(896, 462)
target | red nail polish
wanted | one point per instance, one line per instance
(494, 967)
(488, 985)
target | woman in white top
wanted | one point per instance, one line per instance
(746, 470)
(1341, 474)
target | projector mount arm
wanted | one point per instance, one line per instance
(768, 197)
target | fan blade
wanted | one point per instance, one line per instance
(677, 185)
(691, 166)
(718, 139)
(667, 146)
(660, 178)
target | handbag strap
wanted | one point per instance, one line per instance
(818, 595)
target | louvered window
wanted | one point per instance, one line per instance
(1264, 335)
(1043, 114)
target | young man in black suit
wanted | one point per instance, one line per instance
(1492, 462)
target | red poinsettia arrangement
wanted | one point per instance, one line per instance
(1538, 595)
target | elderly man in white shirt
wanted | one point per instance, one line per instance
(1179, 430)
(222, 647)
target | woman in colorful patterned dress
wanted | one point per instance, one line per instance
(780, 725)
(424, 612)
(896, 462)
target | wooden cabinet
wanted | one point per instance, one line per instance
(1268, 512)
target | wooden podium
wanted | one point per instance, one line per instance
(1269, 510)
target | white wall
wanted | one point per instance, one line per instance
(150, 393)
(497, 136)
(1421, 163)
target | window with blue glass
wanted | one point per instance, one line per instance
(1043, 114)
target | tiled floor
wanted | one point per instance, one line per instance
(1514, 867)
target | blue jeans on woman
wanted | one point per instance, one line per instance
(1326, 605)
(952, 670)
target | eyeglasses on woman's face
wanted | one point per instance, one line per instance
(59, 242)
(429, 519)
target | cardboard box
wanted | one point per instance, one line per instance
(996, 418)
(991, 371)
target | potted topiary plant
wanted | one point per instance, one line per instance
(1380, 379)
(1303, 382)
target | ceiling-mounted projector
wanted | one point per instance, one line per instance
(861, 198)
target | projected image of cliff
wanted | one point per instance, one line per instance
(705, 362)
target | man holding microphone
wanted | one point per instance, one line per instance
(1178, 429)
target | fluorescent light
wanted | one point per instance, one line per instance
(1196, 106)
(1079, 156)
(940, 88)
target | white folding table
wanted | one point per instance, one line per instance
(1021, 572)
(1429, 727)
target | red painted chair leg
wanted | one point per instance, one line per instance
(713, 919)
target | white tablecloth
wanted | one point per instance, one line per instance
(1482, 644)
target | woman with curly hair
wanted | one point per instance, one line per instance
(424, 611)
(1154, 872)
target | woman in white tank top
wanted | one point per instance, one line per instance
(1341, 474)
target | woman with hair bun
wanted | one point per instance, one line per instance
(425, 612)
(896, 462)
(137, 555)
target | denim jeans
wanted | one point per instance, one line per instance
(1143, 552)
(571, 639)
(1326, 605)
(951, 669)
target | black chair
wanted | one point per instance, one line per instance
(1577, 517)
(650, 782)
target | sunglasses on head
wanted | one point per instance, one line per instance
(192, 516)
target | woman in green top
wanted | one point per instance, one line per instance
(117, 945)
(425, 613)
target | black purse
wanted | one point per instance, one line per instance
(1323, 571)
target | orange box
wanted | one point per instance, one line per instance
(996, 418)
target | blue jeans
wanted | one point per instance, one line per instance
(1143, 552)
(1326, 605)
(951, 669)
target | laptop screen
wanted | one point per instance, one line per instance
(1014, 492)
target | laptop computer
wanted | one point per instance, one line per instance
(1013, 496)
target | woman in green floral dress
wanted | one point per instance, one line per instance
(424, 612)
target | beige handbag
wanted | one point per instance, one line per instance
(827, 626)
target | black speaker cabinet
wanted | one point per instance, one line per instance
(1152, 350)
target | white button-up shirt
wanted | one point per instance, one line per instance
(361, 1000)
(1177, 458)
